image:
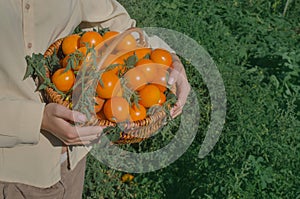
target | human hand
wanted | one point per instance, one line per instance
(178, 77)
(58, 120)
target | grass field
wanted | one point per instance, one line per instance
(256, 47)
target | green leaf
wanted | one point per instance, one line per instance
(274, 81)
(29, 69)
(77, 30)
(131, 61)
(34, 64)
(102, 31)
(113, 137)
(42, 87)
(111, 66)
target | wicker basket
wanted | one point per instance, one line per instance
(134, 132)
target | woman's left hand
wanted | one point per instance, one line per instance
(179, 78)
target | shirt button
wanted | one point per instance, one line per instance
(27, 6)
(29, 45)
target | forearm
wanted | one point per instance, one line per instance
(116, 17)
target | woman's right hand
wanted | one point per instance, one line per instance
(58, 120)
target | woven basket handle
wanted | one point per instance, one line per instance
(103, 50)
(106, 48)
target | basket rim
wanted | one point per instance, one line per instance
(52, 96)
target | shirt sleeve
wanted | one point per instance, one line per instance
(105, 13)
(20, 122)
(110, 13)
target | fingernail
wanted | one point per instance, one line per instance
(171, 81)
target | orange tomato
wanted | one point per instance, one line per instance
(110, 34)
(148, 67)
(118, 62)
(149, 95)
(161, 87)
(99, 102)
(70, 44)
(92, 38)
(110, 85)
(139, 52)
(144, 61)
(109, 59)
(100, 115)
(137, 112)
(82, 51)
(127, 177)
(77, 63)
(124, 55)
(116, 109)
(161, 78)
(135, 79)
(126, 43)
(161, 56)
(62, 80)
(82, 57)
(162, 98)
(142, 52)
(65, 60)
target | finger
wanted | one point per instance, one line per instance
(173, 77)
(89, 131)
(79, 143)
(82, 135)
(67, 114)
(175, 73)
(182, 92)
(176, 110)
(178, 69)
(175, 114)
(84, 139)
(73, 134)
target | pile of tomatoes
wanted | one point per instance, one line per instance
(134, 78)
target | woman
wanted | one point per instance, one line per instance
(41, 153)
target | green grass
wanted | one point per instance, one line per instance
(257, 52)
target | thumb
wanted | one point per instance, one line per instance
(173, 76)
(177, 70)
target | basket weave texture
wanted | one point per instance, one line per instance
(134, 132)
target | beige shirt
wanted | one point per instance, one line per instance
(28, 26)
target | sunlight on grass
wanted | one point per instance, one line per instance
(257, 52)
